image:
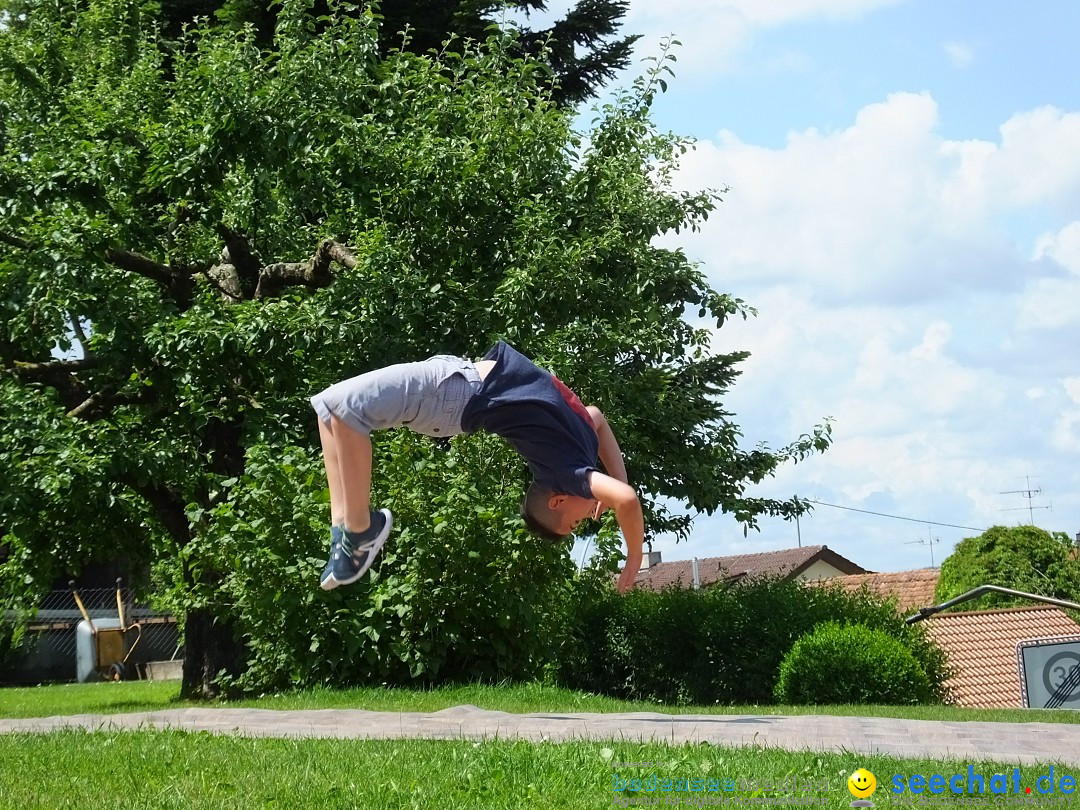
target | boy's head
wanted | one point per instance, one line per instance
(553, 516)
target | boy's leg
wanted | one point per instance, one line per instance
(333, 474)
(410, 394)
(337, 498)
(353, 452)
(347, 412)
(355, 537)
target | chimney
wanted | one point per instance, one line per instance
(649, 559)
(697, 574)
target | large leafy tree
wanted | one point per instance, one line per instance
(1021, 558)
(195, 238)
(581, 49)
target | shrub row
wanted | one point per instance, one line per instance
(722, 645)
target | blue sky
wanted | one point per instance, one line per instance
(982, 61)
(904, 213)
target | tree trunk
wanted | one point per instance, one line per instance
(211, 648)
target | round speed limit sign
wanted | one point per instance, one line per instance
(1061, 676)
(1050, 672)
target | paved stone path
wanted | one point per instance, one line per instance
(1008, 743)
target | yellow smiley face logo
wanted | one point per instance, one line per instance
(861, 783)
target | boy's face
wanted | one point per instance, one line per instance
(571, 509)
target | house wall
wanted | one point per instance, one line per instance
(819, 570)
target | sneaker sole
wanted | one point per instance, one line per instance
(332, 582)
(328, 583)
(323, 580)
(327, 571)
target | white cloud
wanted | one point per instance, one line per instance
(960, 54)
(1054, 303)
(1063, 247)
(712, 43)
(1038, 160)
(1067, 426)
(756, 12)
(923, 378)
(894, 298)
(1050, 304)
(886, 205)
(716, 33)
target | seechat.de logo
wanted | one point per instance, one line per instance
(862, 785)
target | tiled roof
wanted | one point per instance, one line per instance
(912, 589)
(981, 646)
(784, 563)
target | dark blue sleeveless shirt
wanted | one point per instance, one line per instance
(520, 402)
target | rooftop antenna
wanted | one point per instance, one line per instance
(798, 525)
(929, 541)
(1029, 495)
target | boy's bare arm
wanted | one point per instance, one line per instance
(624, 500)
(610, 454)
(630, 519)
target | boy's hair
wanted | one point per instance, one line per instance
(537, 514)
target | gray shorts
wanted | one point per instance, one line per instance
(428, 397)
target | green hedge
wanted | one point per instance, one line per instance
(850, 663)
(719, 645)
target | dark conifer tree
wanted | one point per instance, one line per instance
(583, 48)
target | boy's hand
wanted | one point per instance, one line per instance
(627, 577)
(624, 500)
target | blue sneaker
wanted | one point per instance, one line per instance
(357, 551)
(335, 544)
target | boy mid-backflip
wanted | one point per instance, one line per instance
(506, 394)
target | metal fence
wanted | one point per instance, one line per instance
(49, 649)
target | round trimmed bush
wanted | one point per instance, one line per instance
(851, 663)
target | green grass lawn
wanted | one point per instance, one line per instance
(197, 770)
(111, 698)
(176, 769)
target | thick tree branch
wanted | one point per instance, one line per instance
(14, 241)
(59, 375)
(313, 273)
(176, 281)
(53, 369)
(227, 280)
(88, 405)
(237, 275)
(237, 252)
(101, 403)
(135, 263)
(81, 403)
(76, 326)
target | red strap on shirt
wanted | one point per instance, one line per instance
(572, 400)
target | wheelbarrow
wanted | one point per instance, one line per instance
(110, 645)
